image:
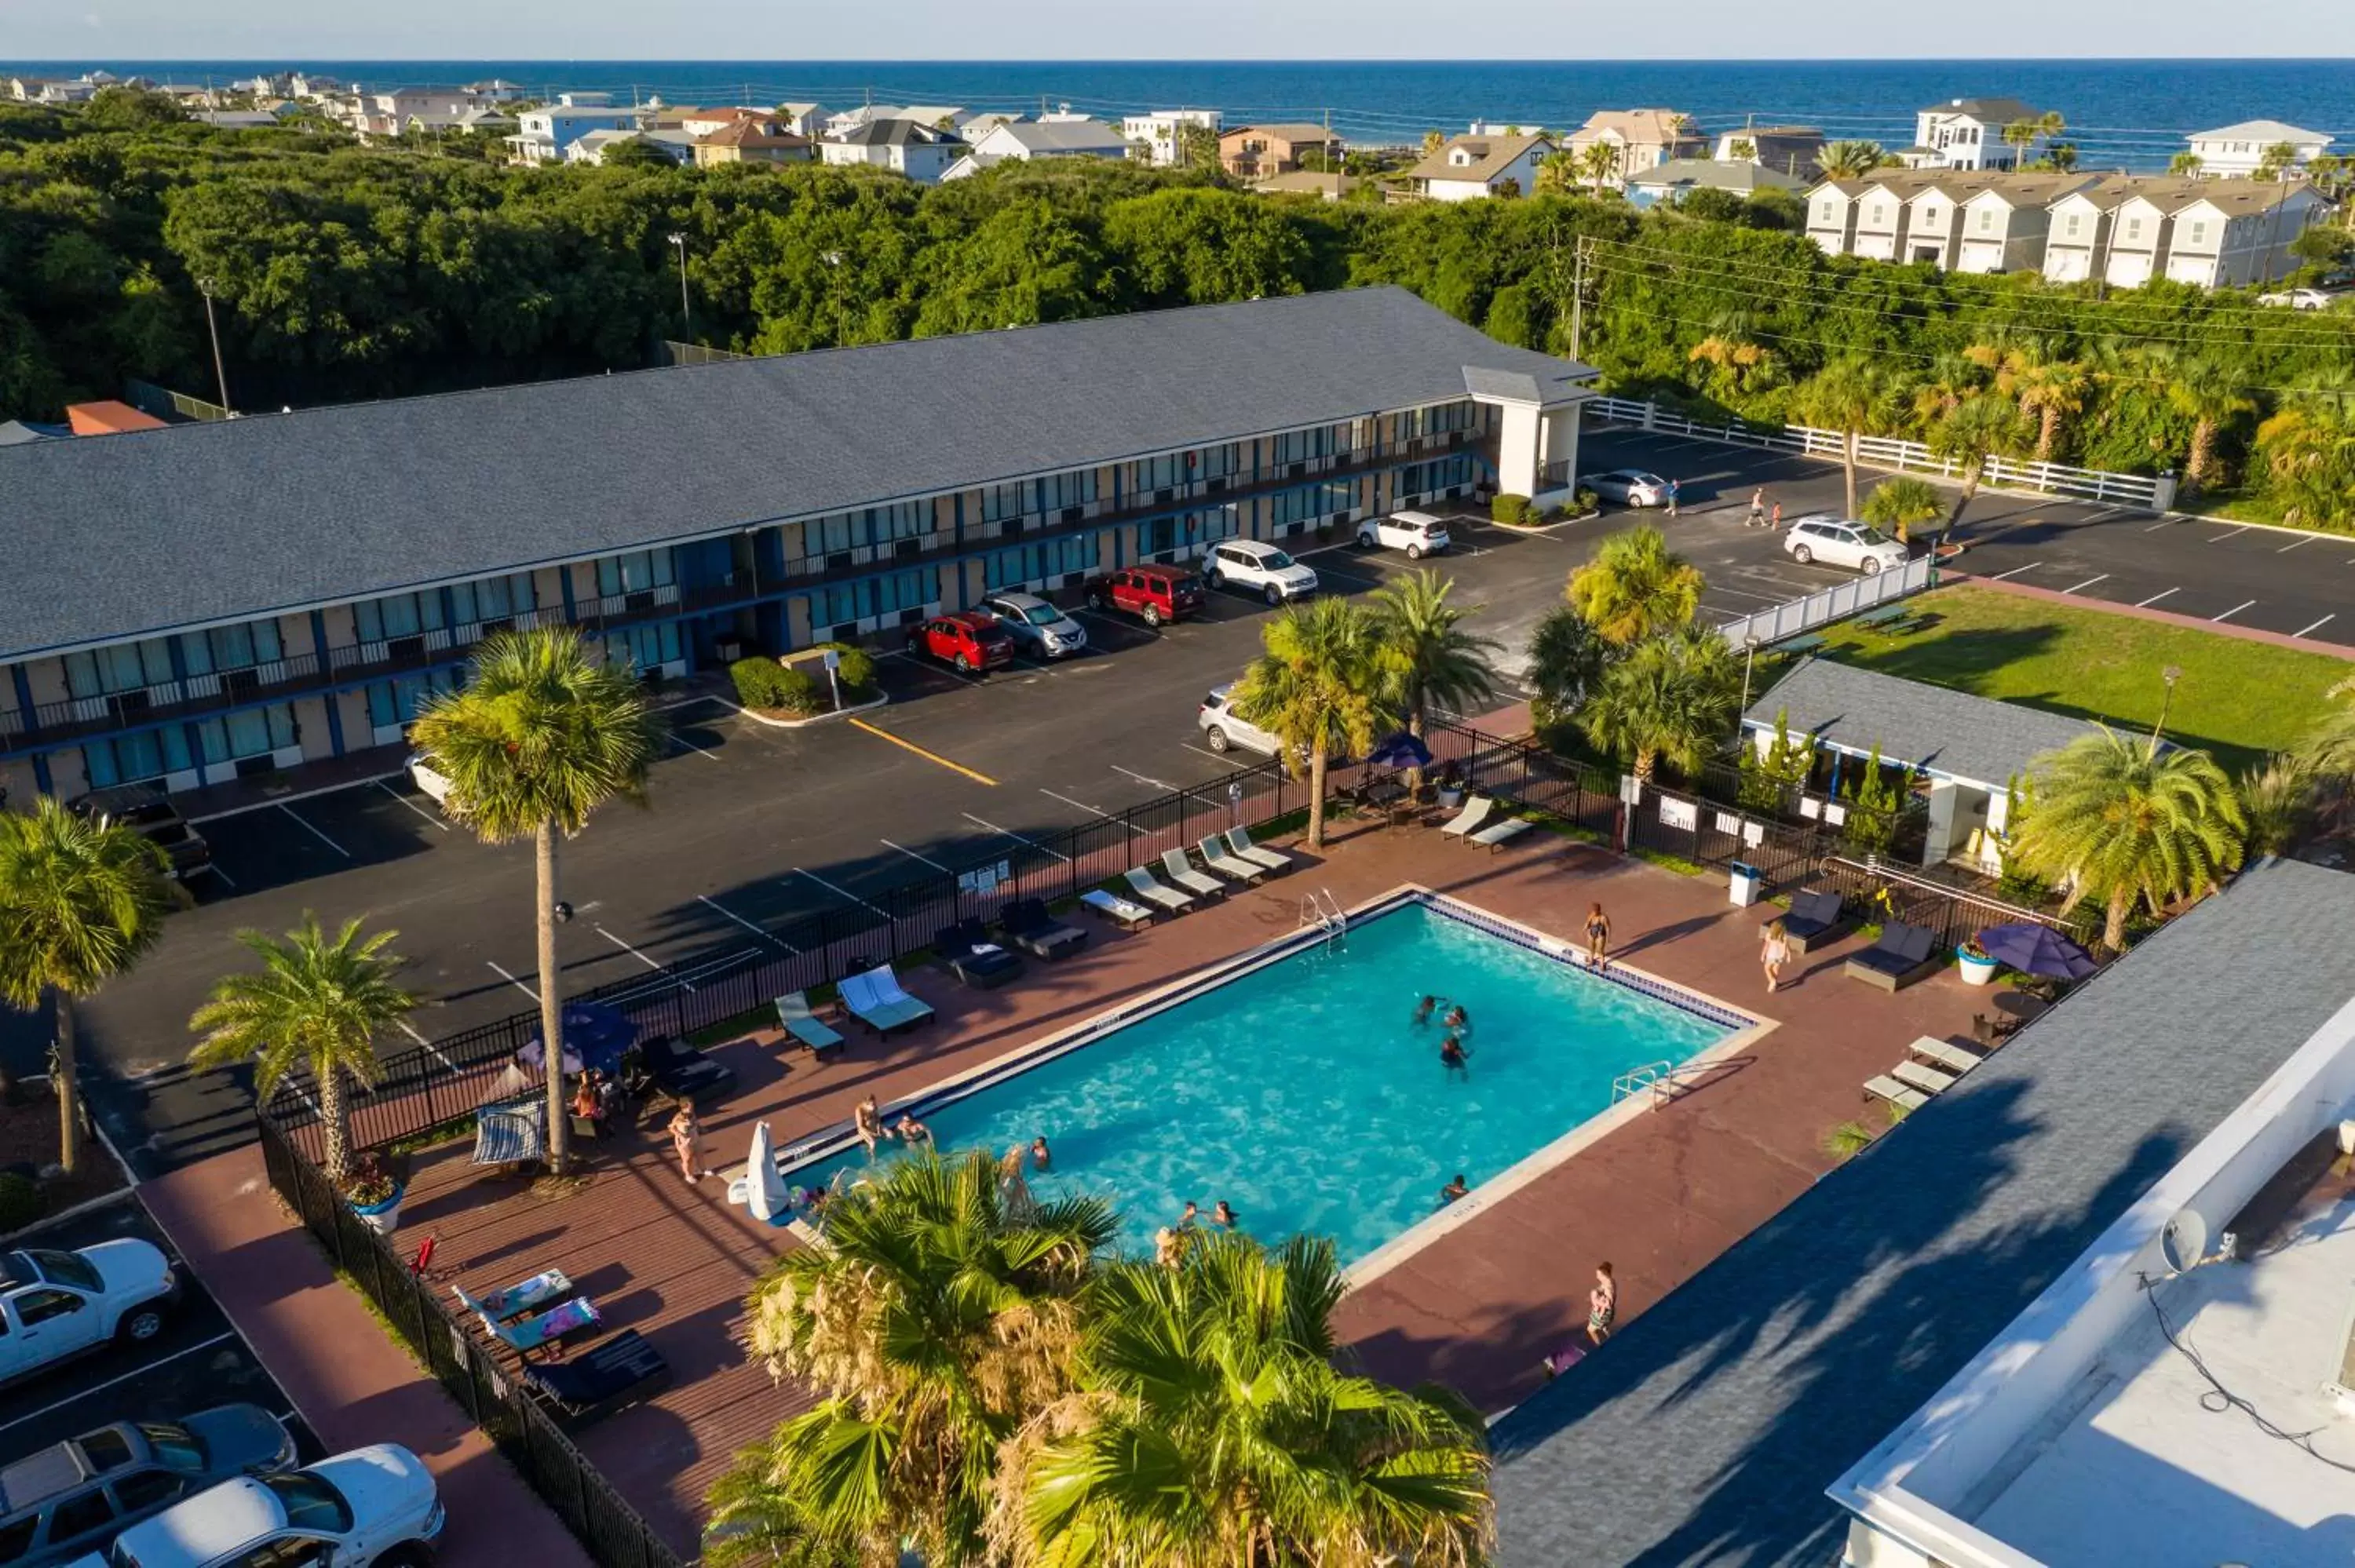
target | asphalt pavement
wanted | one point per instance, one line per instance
(750, 827)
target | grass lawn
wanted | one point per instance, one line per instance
(2237, 698)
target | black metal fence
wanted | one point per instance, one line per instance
(609, 1528)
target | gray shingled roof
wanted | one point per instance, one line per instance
(1707, 1430)
(1947, 731)
(127, 535)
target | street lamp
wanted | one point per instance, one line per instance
(2171, 674)
(220, 376)
(685, 319)
(1749, 659)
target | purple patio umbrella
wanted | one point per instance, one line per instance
(595, 1036)
(2035, 950)
(1399, 750)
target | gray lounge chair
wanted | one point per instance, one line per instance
(1929, 1080)
(1180, 869)
(1140, 882)
(1817, 918)
(1953, 1059)
(1214, 853)
(1888, 1088)
(1117, 909)
(1498, 834)
(1902, 954)
(1471, 819)
(876, 999)
(1240, 840)
(801, 1026)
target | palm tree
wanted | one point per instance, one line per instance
(2328, 749)
(937, 1317)
(2308, 451)
(1850, 395)
(1212, 1431)
(2277, 801)
(1433, 141)
(2183, 165)
(1677, 694)
(79, 902)
(1901, 501)
(1566, 662)
(1741, 150)
(2048, 125)
(2019, 135)
(317, 1004)
(1599, 161)
(1848, 160)
(2046, 388)
(2207, 392)
(1740, 362)
(2123, 819)
(2060, 156)
(1557, 174)
(1974, 431)
(1318, 688)
(1635, 588)
(2276, 160)
(1952, 377)
(542, 735)
(1427, 653)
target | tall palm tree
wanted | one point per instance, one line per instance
(541, 736)
(1425, 651)
(1319, 688)
(79, 902)
(1566, 661)
(1676, 695)
(1557, 174)
(318, 1002)
(1974, 431)
(2308, 451)
(936, 1317)
(2207, 391)
(1847, 160)
(1850, 395)
(1599, 162)
(2276, 160)
(2019, 135)
(1635, 588)
(2125, 820)
(2048, 386)
(2183, 165)
(1953, 376)
(1212, 1431)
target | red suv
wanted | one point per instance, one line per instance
(1151, 593)
(967, 639)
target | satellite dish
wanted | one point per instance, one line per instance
(2184, 1243)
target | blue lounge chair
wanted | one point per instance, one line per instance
(524, 1296)
(876, 999)
(800, 1025)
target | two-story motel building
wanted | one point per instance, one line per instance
(207, 602)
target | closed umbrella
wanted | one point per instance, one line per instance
(760, 1190)
(2035, 950)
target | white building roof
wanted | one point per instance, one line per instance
(2264, 131)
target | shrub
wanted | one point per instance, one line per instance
(1585, 501)
(1847, 1140)
(21, 1201)
(1509, 508)
(1899, 503)
(855, 666)
(759, 682)
(798, 693)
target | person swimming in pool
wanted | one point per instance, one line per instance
(1191, 1217)
(1452, 1056)
(1223, 1216)
(1040, 1157)
(1458, 1019)
(1453, 1190)
(1425, 1008)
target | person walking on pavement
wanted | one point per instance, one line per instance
(1757, 508)
(1672, 500)
(1774, 522)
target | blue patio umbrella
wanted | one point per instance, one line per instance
(2035, 950)
(1399, 750)
(595, 1036)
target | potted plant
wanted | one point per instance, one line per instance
(375, 1194)
(1976, 967)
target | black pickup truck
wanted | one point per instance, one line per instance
(151, 812)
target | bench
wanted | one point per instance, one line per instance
(1806, 642)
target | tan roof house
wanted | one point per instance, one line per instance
(1255, 152)
(1643, 138)
(1467, 167)
(2077, 235)
(1332, 186)
(751, 141)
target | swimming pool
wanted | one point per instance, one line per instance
(1302, 1092)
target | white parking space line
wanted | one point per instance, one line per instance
(1144, 778)
(911, 854)
(699, 750)
(315, 834)
(1018, 838)
(2089, 582)
(2292, 544)
(2162, 523)
(2154, 598)
(1083, 806)
(2232, 534)
(513, 981)
(840, 892)
(430, 1049)
(756, 930)
(413, 805)
(631, 950)
(2317, 625)
(227, 880)
(110, 1382)
(2016, 571)
(1199, 751)
(2233, 611)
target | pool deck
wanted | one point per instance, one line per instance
(1658, 1195)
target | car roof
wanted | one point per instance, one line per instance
(972, 620)
(213, 1523)
(1021, 600)
(1161, 569)
(1413, 517)
(37, 1478)
(1251, 546)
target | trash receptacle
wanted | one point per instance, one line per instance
(1746, 884)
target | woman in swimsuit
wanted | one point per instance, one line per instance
(1598, 937)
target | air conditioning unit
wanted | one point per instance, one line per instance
(837, 562)
(638, 603)
(1010, 529)
(908, 549)
(501, 623)
(239, 681)
(1293, 471)
(1163, 496)
(1216, 486)
(1073, 513)
(405, 647)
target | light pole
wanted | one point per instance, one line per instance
(686, 318)
(2172, 674)
(1749, 660)
(212, 327)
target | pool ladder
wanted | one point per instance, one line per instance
(1658, 1079)
(1322, 912)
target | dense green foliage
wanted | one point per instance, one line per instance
(343, 271)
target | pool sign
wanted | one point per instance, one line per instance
(984, 880)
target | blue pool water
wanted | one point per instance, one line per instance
(1304, 1095)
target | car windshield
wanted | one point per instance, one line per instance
(1041, 615)
(1872, 536)
(174, 1445)
(311, 1503)
(64, 1269)
(1649, 479)
(1275, 560)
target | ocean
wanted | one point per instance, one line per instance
(2120, 113)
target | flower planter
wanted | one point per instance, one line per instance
(381, 1217)
(1975, 971)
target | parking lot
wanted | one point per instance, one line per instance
(752, 828)
(196, 1362)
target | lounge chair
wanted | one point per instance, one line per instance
(801, 1026)
(1141, 883)
(1953, 1059)
(1029, 927)
(511, 1132)
(1180, 869)
(973, 958)
(876, 999)
(599, 1381)
(1895, 1092)
(1817, 918)
(1473, 817)
(578, 1316)
(1902, 954)
(1214, 850)
(684, 1072)
(1118, 909)
(1929, 1080)
(1499, 833)
(524, 1296)
(1240, 840)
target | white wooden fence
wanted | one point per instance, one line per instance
(1835, 603)
(2142, 491)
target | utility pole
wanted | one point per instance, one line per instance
(1578, 298)
(686, 320)
(220, 376)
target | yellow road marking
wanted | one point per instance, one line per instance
(927, 756)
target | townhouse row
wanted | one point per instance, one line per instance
(200, 603)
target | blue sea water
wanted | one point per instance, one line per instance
(2122, 113)
(1305, 1094)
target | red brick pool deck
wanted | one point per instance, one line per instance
(1658, 1196)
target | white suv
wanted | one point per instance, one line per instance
(54, 1305)
(1223, 727)
(1248, 564)
(1418, 534)
(372, 1508)
(1837, 542)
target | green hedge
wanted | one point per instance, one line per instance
(1510, 508)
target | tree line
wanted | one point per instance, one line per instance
(340, 271)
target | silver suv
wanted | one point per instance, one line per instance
(1036, 627)
(1223, 729)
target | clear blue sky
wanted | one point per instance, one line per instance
(1197, 29)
